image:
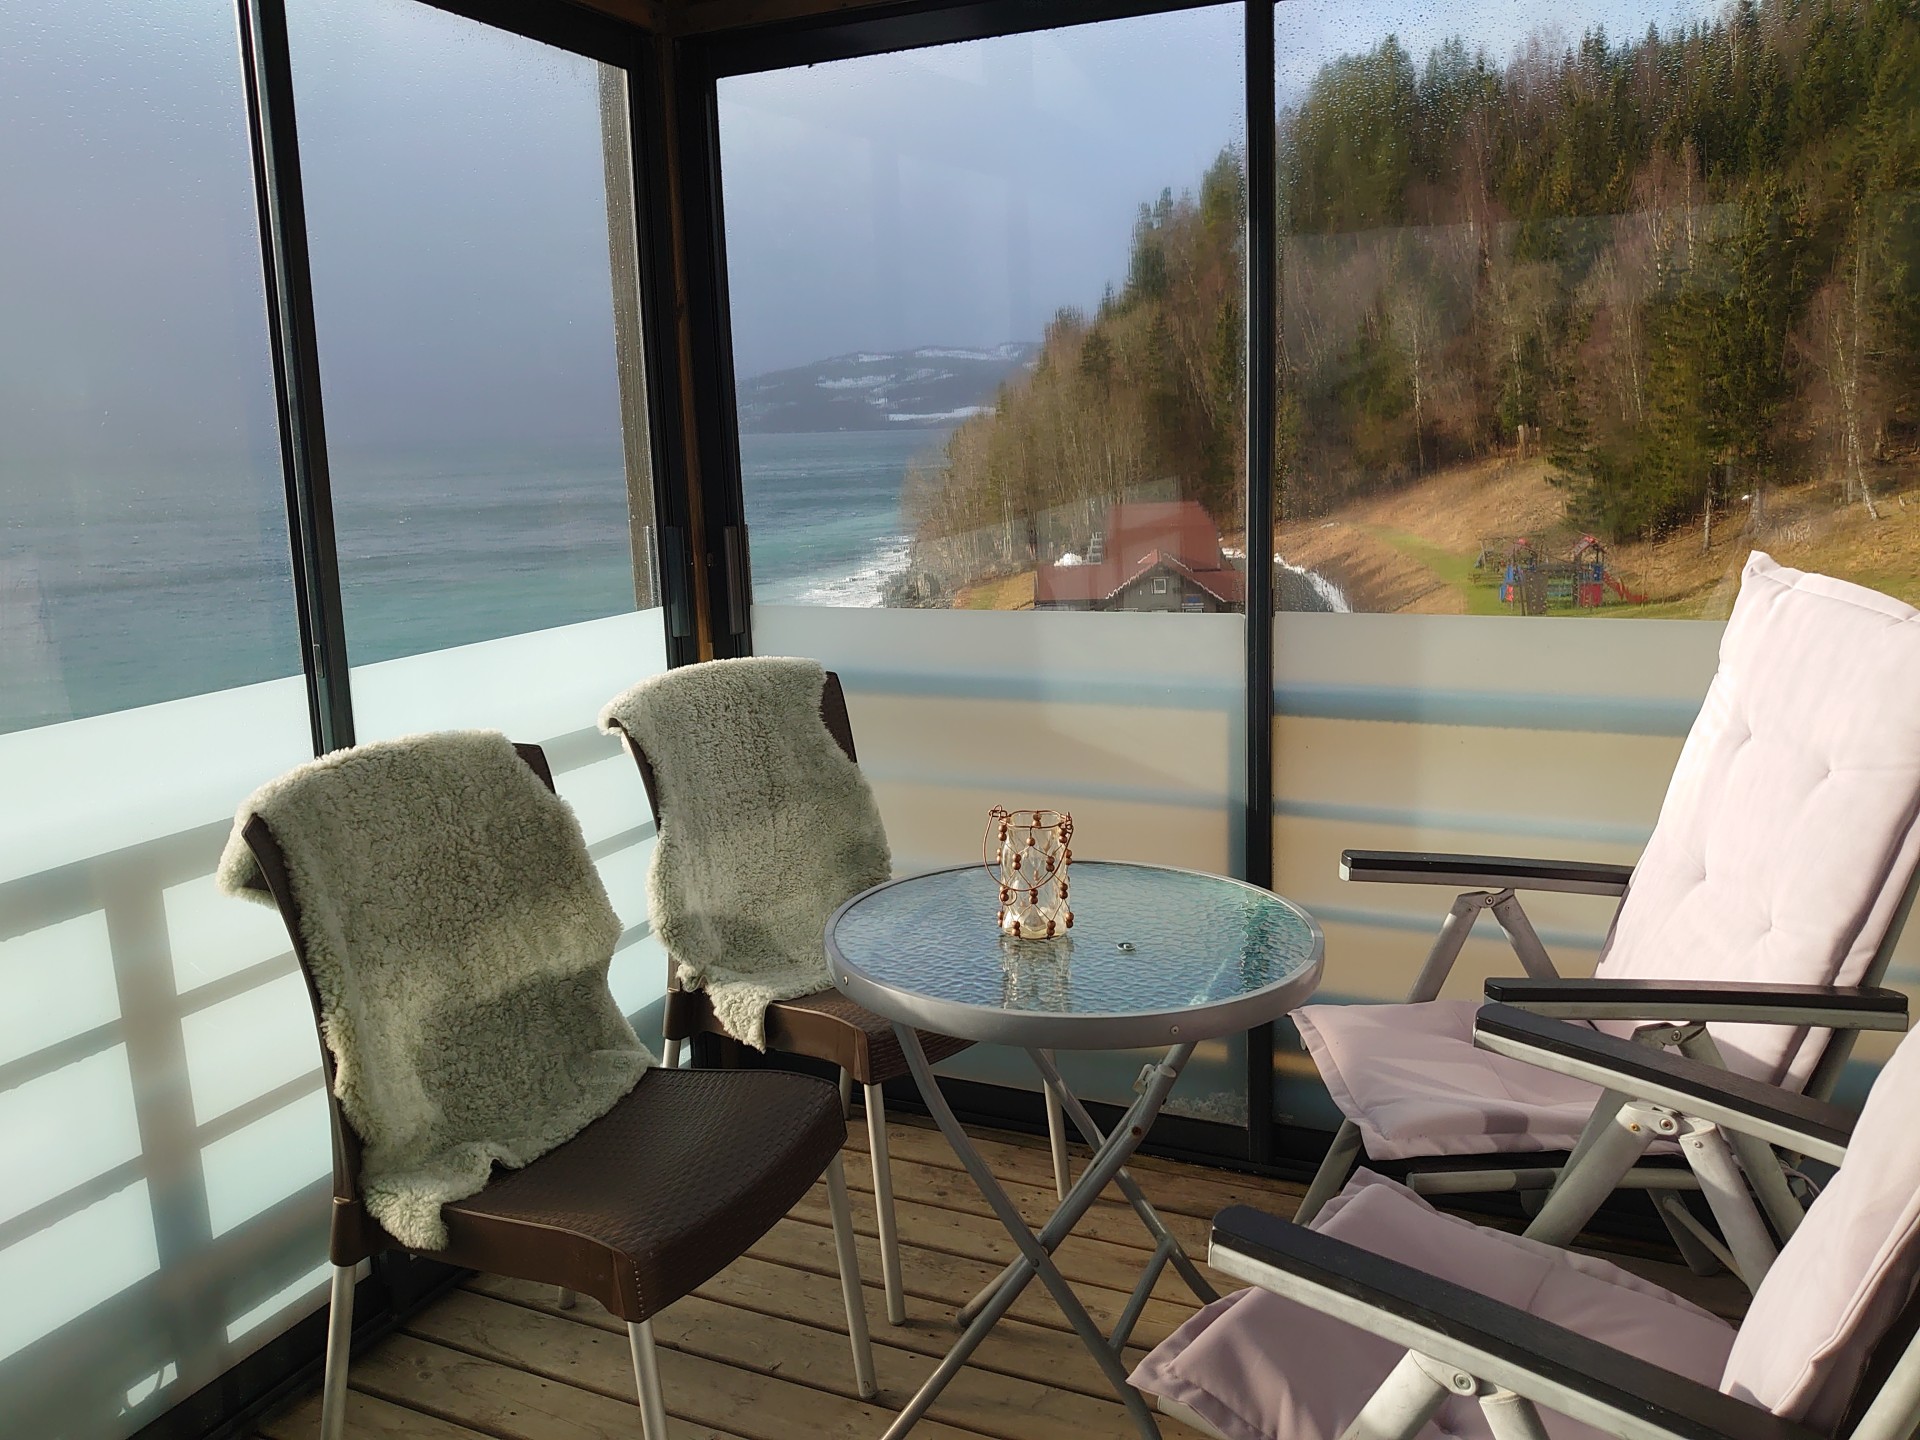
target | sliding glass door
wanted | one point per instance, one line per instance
(986, 334)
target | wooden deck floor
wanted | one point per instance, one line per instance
(760, 1352)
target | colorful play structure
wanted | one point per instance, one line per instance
(1534, 583)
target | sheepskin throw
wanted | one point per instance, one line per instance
(765, 828)
(459, 939)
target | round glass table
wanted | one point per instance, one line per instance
(1156, 957)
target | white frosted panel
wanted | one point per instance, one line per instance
(58, 981)
(75, 1263)
(534, 687)
(624, 873)
(637, 978)
(302, 1297)
(1555, 787)
(1150, 654)
(213, 936)
(64, 1128)
(607, 796)
(262, 1163)
(1552, 656)
(88, 787)
(245, 1046)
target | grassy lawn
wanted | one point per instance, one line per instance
(1483, 598)
(1453, 571)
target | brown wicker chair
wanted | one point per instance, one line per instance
(828, 1026)
(674, 1183)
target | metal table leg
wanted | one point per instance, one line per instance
(1036, 1247)
(1166, 1249)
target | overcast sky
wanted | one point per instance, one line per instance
(955, 196)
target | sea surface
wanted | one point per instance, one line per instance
(823, 512)
(128, 584)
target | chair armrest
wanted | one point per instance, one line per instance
(1494, 1342)
(1833, 1007)
(1780, 1117)
(1499, 872)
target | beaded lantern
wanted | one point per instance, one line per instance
(1027, 852)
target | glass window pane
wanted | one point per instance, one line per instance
(986, 302)
(470, 214)
(987, 314)
(149, 679)
(1580, 306)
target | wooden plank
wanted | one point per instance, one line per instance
(1016, 1347)
(507, 1401)
(1111, 1219)
(1081, 1258)
(586, 1359)
(1170, 1185)
(368, 1418)
(937, 1284)
(988, 1403)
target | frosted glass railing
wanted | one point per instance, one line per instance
(1134, 722)
(162, 1204)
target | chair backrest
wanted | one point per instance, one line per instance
(745, 904)
(1791, 828)
(354, 1234)
(1843, 1283)
(833, 714)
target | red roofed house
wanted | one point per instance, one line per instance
(1153, 555)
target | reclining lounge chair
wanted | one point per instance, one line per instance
(1389, 1320)
(1753, 932)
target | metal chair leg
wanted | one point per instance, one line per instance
(333, 1385)
(883, 1205)
(1333, 1172)
(646, 1378)
(1057, 1139)
(670, 1056)
(850, 1290)
(566, 1298)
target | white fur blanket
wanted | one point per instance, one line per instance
(765, 828)
(459, 940)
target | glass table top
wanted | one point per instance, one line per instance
(1155, 955)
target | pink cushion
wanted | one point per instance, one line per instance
(1847, 1271)
(1788, 830)
(1410, 1078)
(1257, 1367)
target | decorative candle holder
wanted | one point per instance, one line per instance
(1027, 852)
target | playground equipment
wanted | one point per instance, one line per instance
(1536, 584)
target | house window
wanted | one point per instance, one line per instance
(1159, 584)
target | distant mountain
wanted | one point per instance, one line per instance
(926, 389)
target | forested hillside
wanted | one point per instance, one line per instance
(1685, 266)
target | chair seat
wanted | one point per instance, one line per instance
(825, 1025)
(1255, 1366)
(660, 1193)
(1411, 1079)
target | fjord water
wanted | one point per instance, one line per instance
(132, 585)
(823, 512)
